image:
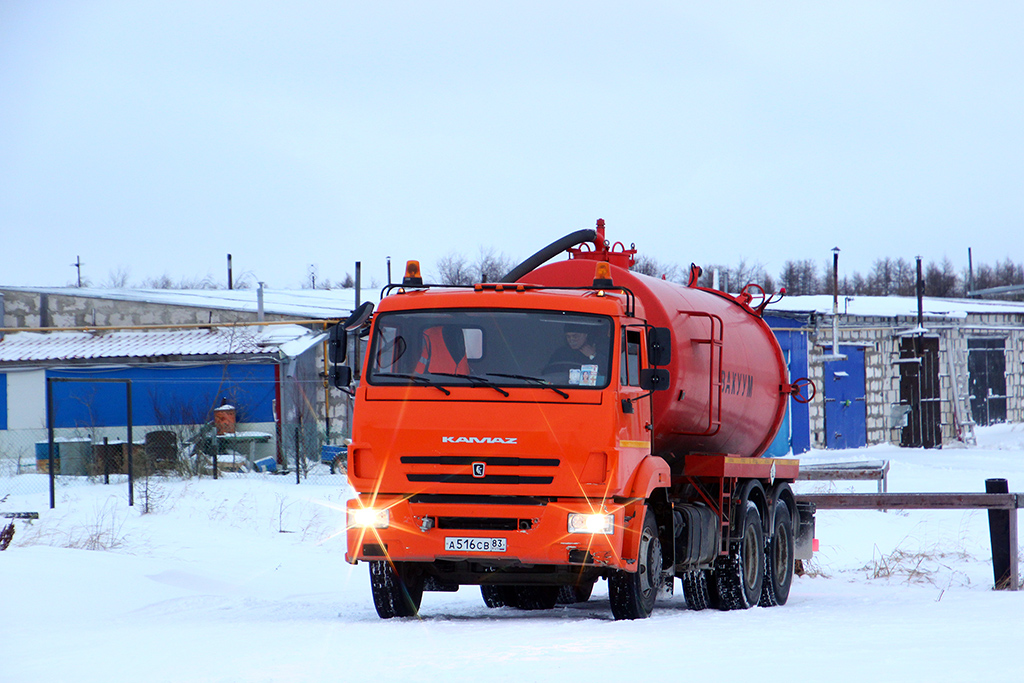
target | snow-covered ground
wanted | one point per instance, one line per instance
(244, 579)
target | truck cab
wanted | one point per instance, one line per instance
(502, 437)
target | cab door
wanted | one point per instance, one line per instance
(635, 411)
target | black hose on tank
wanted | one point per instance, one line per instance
(549, 252)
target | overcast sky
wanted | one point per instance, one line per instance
(156, 137)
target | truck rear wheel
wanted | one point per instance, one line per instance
(397, 589)
(739, 577)
(499, 596)
(579, 592)
(536, 597)
(633, 594)
(779, 559)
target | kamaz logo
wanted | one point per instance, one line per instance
(478, 439)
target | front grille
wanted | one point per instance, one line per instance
(496, 461)
(463, 499)
(512, 479)
(484, 523)
(462, 461)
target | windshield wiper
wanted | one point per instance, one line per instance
(536, 380)
(478, 381)
(414, 378)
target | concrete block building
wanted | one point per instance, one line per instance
(885, 375)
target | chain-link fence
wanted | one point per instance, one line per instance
(82, 456)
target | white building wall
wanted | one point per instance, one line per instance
(26, 399)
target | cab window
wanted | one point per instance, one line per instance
(629, 368)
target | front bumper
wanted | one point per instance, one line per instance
(504, 533)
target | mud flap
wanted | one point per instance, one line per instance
(805, 531)
(634, 524)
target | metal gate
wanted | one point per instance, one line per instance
(986, 364)
(845, 401)
(920, 389)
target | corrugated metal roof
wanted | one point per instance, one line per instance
(273, 342)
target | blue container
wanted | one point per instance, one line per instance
(335, 456)
(267, 464)
(329, 454)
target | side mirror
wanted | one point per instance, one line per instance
(654, 379)
(659, 346)
(337, 344)
(359, 316)
(341, 376)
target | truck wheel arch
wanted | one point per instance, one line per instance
(652, 473)
(751, 490)
(784, 492)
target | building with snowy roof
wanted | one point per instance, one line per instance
(186, 342)
(891, 375)
(178, 378)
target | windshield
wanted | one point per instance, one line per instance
(496, 347)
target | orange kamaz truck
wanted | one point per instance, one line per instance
(576, 421)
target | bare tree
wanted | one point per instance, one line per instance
(117, 279)
(800, 277)
(941, 281)
(492, 267)
(452, 269)
(1008, 273)
(160, 282)
(166, 282)
(735, 278)
(455, 269)
(648, 265)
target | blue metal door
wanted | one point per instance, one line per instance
(845, 404)
(783, 443)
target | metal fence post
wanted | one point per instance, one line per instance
(298, 429)
(131, 444)
(49, 429)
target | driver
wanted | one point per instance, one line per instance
(579, 358)
(579, 347)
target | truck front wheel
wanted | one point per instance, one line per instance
(633, 594)
(397, 589)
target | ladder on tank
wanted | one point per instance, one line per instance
(963, 420)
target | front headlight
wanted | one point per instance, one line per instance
(369, 518)
(580, 523)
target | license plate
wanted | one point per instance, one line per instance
(474, 545)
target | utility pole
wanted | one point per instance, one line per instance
(78, 265)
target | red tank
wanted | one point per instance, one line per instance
(728, 378)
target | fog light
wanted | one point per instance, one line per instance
(580, 523)
(369, 518)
